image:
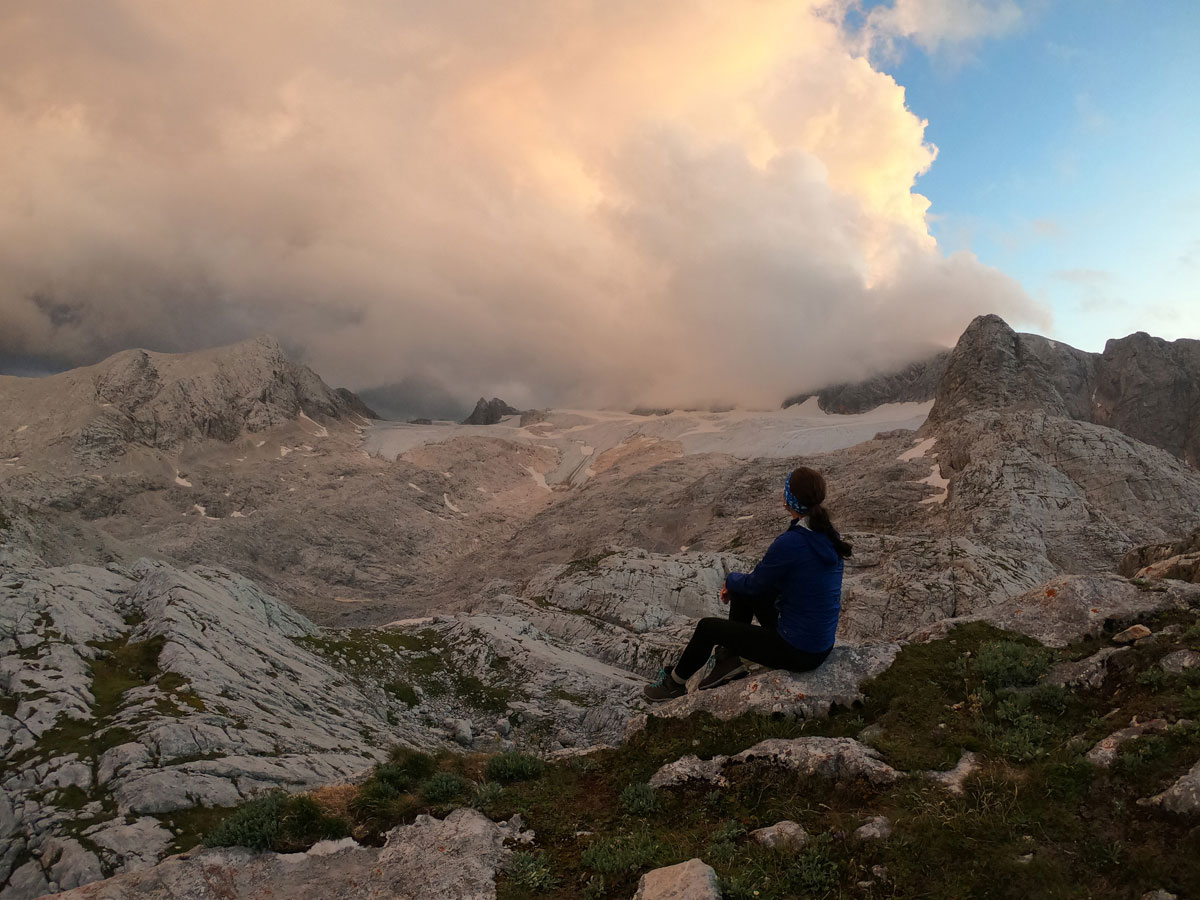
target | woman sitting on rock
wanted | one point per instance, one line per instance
(795, 593)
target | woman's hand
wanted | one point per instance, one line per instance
(724, 594)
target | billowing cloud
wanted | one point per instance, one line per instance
(547, 202)
(936, 25)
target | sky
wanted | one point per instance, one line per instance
(1069, 146)
(571, 202)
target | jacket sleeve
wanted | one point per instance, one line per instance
(767, 577)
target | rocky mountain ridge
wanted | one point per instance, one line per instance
(1140, 385)
(161, 401)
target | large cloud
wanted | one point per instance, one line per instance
(551, 202)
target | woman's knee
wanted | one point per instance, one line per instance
(709, 626)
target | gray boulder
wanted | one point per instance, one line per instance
(691, 880)
(785, 835)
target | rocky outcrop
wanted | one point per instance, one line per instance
(1182, 797)
(915, 383)
(490, 412)
(1090, 672)
(456, 858)
(1143, 386)
(838, 759)
(1067, 609)
(1178, 560)
(138, 398)
(810, 695)
(1106, 750)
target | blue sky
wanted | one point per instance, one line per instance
(1069, 158)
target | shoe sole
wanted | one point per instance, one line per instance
(732, 676)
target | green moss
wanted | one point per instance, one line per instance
(189, 826)
(562, 694)
(70, 797)
(403, 691)
(123, 666)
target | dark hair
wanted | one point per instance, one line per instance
(808, 487)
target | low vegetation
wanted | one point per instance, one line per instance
(1035, 821)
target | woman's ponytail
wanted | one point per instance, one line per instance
(818, 520)
(805, 492)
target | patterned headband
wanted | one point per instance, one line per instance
(790, 498)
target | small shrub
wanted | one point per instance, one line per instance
(622, 853)
(814, 872)
(1154, 678)
(1004, 664)
(443, 787)
(639, 800)
(374, 800)
(1189, 705)
(532, 871)
(1050, 698)
(594, 888)
(486, 795)
(729, 830)
(1140, 754)
(276, 821)
(513, 766)
(410, 765)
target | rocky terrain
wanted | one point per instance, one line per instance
(218, 577)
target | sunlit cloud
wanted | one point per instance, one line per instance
(550, 203)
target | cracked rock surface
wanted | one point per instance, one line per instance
(455, 858)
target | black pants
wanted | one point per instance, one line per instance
(736, 636)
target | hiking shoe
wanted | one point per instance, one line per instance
(723, 671)
(664, 688)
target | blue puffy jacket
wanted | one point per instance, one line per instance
(802, 573)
